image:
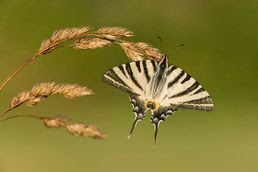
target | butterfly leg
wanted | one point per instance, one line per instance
(158, 117)
(139, 111)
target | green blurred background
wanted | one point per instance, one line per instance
(220, 51)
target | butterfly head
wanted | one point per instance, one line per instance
(163, 63)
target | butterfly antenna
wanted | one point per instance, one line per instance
(161, 43)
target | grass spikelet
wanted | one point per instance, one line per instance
(77, 129)
(69, 91)
(140, 51)
(92, 43)
(41, 91)
(61, 36)
(114, 33)
(74, 128)
(80, 129)
(85, 38)
(132, 51)
(150, 52)
(48, 46)
(54, 122)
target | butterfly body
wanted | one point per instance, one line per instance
(160, 87)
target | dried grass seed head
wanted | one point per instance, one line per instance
(67, 90)
(60, 36)
(41, 91)
(91, 43)
(132, 51)
(150, 52)
(80, 129)
(114, 33)
(20, 98)
(55, 122)
(140, 51)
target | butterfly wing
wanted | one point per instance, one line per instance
(184, 92)
(133, 78)
(139, 110)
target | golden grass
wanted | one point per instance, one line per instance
(61, 36)
(77, 129)
(85, 38)
(43, 90)
(60, 121)
(91, 43)
(115, 33)
(140, 51)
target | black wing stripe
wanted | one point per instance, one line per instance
(146, 73)
(161, 71)
(106, 79)
(187, 78)
(130, 72)
(109, 78)
(112, 74)
(195, 107)
(203, 100)
(170, 84)
(187, 91)
(199, 90)
(154, 65)
(121, 68)
(171, 70)
(138, 65)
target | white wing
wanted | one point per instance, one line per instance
(131, 77)
(184, 92)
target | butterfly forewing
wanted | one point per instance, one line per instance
(184, 92)
(131, 77)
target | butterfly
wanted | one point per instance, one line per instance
(160, 87)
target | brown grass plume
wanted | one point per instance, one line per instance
(140, 51)
(77, 129)
(85, 38)
(61, 36)
(43, 90)
(60, 121)
(114, 33)
(91, 43)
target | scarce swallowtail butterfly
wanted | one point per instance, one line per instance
(160, 87)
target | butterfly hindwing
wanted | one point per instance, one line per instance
(184, 92)
(139, 110)
(160, 115)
